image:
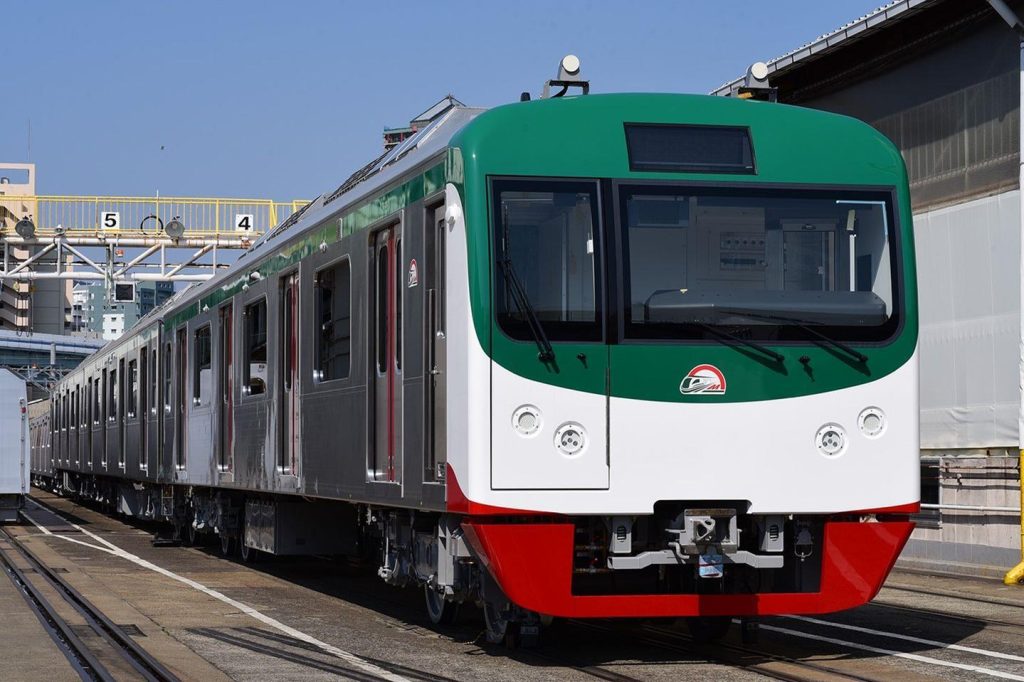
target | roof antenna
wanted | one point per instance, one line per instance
(569, 75)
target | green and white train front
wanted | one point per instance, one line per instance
(686, 382)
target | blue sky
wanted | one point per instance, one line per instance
(283, 100)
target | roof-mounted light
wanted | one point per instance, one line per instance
(568, 76)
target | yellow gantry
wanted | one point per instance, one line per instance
(120, 217)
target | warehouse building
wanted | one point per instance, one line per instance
(941, 78)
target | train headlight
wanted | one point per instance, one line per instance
(831, 440)
(872, 422)
(526, 420)
(570, 439)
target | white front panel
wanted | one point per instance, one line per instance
(567, 446)
(763, 452)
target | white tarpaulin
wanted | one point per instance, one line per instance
(14, 455)
(968, 288)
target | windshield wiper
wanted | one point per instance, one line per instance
(805, 326)
(715, 331)
(544, 351)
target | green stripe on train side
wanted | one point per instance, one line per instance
(583, 137)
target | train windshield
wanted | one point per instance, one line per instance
(547, 274)
(779, 263)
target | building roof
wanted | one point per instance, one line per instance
(872, 22)
(68, 345)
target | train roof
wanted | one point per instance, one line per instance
(564, 129)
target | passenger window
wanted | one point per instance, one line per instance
(254, 364)
(154, 378)
(167, 379)
(201, 385)
(399, 289)
(133, 388)
(333, 315)
(382, 310)
(112, 397)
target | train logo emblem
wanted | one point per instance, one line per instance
(703, 379)
(414, 274)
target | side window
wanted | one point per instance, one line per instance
(382, 310)
(112, 396)
(154, 377)
(133, 388)
(399, 292)
(254, 362)
(97, 408)
(201, 379)
(334, 322)
(167, 378)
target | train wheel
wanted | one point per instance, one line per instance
(249, 554)
(226, 543)
(440, 610)
(708, 628)
(498, 626)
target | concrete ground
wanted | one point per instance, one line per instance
(209, 618)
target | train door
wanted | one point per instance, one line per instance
(87, 418)
(166, 451)
(387, 288)
(122, 409)
(225, 420)
(153, 434)
(289, 374)
(436, 400)
(181, 391)
(101, 418)
(75, 396)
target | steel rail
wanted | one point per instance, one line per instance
(140, 659)
(681, 642)
(60, 631)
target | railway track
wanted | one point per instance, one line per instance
(86, 659)
(751, 659)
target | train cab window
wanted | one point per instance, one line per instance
(547, 237)
(202, 384)
(334, 322)
(254, 362)
(132, 387)
(775, 261)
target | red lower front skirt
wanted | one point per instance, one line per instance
(532, 562)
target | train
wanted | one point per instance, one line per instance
(580, 356)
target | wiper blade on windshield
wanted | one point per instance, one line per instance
(545, 352)
(804, 325)
(715, 331)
